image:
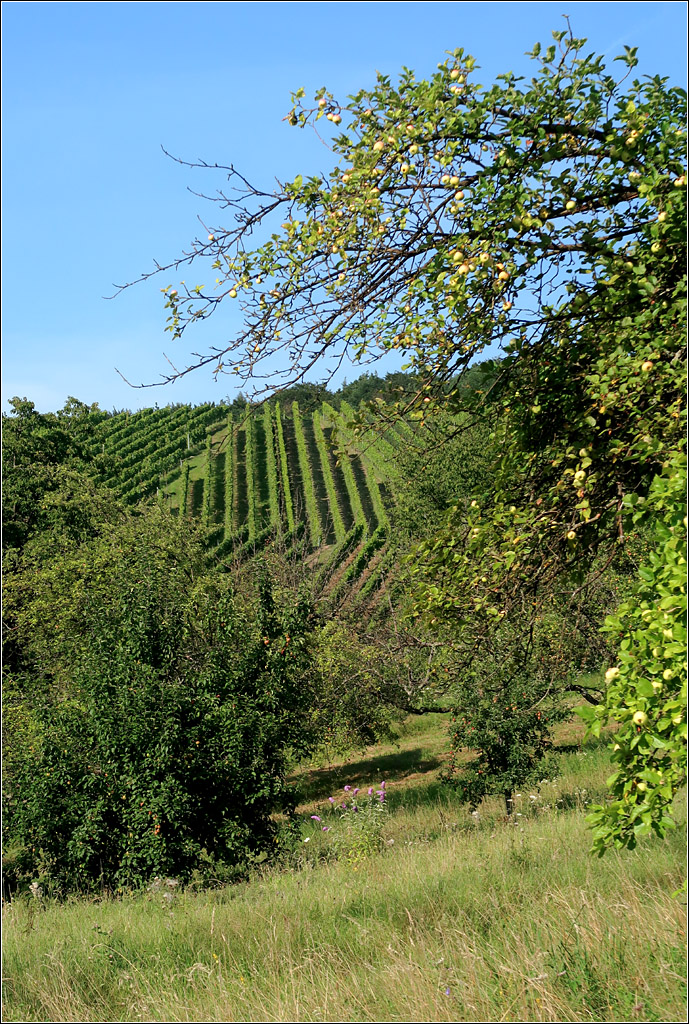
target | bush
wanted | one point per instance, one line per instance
(167, 752)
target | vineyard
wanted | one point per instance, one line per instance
(272, 475)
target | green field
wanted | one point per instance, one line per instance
(453, 917)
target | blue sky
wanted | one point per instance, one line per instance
(92, 90)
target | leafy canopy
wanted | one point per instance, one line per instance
(541, 218)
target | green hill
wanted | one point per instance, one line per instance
(269, 474)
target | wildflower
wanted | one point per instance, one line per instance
(331, 799)
(447, 991)
(315, 817)
(326, 828)
(308, 839)
(382, 785)
(347, 789)
(354, 792)
(370, 790)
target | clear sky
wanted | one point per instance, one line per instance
(92, 90)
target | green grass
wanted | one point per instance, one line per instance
(457, 917)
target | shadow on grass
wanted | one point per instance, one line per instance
(323, 782)
(590, 743)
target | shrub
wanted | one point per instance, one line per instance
(167, 752)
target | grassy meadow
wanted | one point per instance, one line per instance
(453, 917)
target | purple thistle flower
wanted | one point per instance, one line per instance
(331, 799)
(354, 807)
(380, 792)
(447, 991)
(382, 785)
(354, 792)
(370, 790)
(382, 798)
(326, 828)
(344, 807)
(315, 817)
(347, 789)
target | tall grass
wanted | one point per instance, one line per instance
(457, 918)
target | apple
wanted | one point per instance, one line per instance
(379, 146)
(459, 195)
(571, 205)
(233, 293)
(639, 718)
(647, 366)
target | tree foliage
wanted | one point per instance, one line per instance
(153, 723)
(540, 217)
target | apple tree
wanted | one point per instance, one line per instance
(538, 221)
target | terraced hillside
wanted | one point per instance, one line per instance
(255, 476)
